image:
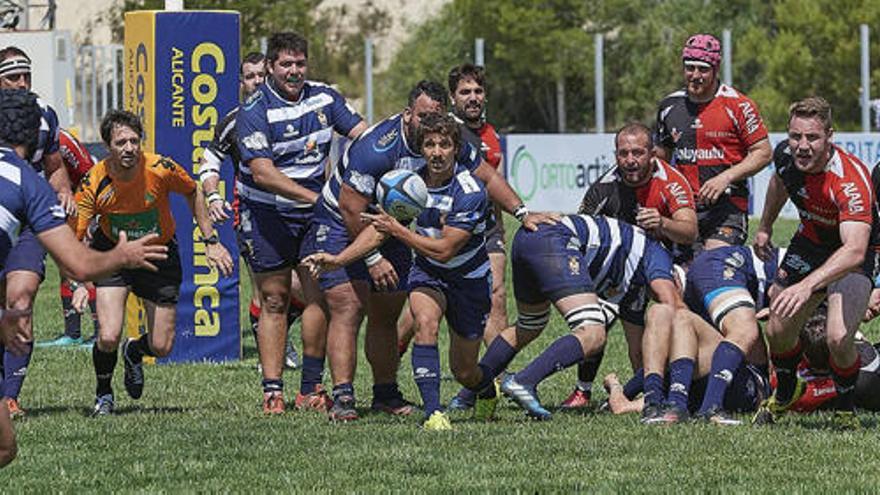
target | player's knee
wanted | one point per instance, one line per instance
(661, 311)
(276, 303)
(162, 348)
(108, 343)
(427, 330)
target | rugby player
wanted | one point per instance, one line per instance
(130, 190)
(827, 257)
(451, 274)
(641, 190)
(285, 131)
(570, 265)
(26, 266)
(27, 198)
(251, 74)
(715, 137)
(381, 278)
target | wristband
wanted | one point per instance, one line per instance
(214, 196)
(520, 212)
(373, 258)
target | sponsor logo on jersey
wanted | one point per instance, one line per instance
(692, 155)
(252, 100)
(855, 203)
(752, 121)
(735, 260)
(386, 141)
(256, 141)
(678, 192)
(362, 183)
(697, 124)
(290, 131)
(57, 211)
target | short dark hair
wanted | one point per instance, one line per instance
(812, 107)
(432, 89)
(286, 42)
(437, 123)
(251, 58)
(634, 128)
(466, 71)
(13, 51)
(123, 118)
(20, 116)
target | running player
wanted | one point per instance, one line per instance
(570, 265)
(827, 258)
(27, 198)
(715, 136)
(251, 73)
(349, 192)
(130, 191)
(646, 191)
(26, 266)
(451, 274)
(285, 130)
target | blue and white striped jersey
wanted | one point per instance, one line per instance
(619, 255)
(25, 199)
(380, 149)
(295, 135)
(461, 203)
(48, 140)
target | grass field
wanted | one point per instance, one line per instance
(199, 428)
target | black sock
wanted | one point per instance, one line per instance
(104, 363)
(140, 348)
(786, 372)
(270, 386)
(71, 318)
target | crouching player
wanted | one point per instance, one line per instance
(571, 265)
(451, 274)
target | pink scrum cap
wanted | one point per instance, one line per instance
(702, 48)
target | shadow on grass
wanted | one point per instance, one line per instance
(134, 410)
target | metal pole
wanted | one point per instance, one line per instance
(117, 52)
(25, 18)
(479, 52)
(600, 83)
(264, 44)
(726, 58)
(560, 104)
(94, 72)
(368, 75)
(866, 80)
(102, 79)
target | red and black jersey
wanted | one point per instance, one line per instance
(491, 144)
(841, 192)
(708, 138)
(667, 191)
(75, 156)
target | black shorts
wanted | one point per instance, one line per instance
(724, 222)
(803, 257)
(162, 287)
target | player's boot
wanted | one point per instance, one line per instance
(484, 407)
(395, 406)
(103, 405)
(673, 414)
(718, 417)
(578, 399)
(652, 414)
(134, 372)
(438, 421)
(89, 342)
(319, 400)
(525, 397)
(291, 357)
(273, 403)
(60, 341)
(343, 409)
(771, 410)
(15, 410)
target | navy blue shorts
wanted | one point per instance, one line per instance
(717, 271)
(750, 386)
(272, 240)
(468, 300)
(546, 267)
(28, 255)
(330, 236)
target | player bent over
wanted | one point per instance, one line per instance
(570, 265)
(130, 190)
(451, 274)
(827, 257)
(26, 198)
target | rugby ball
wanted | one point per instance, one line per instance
(402, 193)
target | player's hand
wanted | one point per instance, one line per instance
(532, 220)
(219, 257)
(788, 302)
(873, 306)
(80, 298)
(383, 222)
(762, 245)
(384, 276)
(219, 210)
(68, 202)
(763, 314)
(139, 253)
(319, 263)
(13, 331)
(714, 188)
(649, 219)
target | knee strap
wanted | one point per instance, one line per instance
(533, 322)
(737, 301)
(588, 314)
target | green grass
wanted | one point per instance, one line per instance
(198, 428)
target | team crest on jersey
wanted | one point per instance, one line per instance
(729, 272)
(574, 265)
(321, 118)
(385, 141)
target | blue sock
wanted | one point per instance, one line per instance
(635, 385)
(681, 372)
(312, 374)
(14, 370)
(725, 361)
(654, 395)
(342, 390)
(426, 371)
(562, 353)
